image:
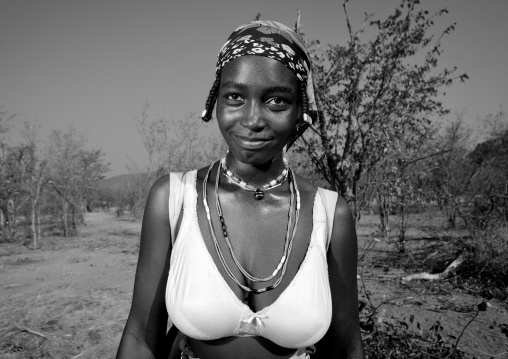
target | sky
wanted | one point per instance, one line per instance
(93, 64)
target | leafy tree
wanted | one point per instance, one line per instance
(21, 178)
(14, 160)
(450, 174)
(137, 189)
(490, 188)
(373, 92)
(74, 173)
(398, 177)
(36, 175)
(5, 119)
(5, 204)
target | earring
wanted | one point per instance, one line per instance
(203, 114)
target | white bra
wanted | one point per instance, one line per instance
(202, 305)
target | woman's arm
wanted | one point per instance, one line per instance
(145, 331)
(343, 339)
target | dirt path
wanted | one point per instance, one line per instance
(103, 257)
(70, 298)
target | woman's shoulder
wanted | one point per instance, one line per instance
(341, 206)
(342, 210)
(164, 183)
(304, 185)
(160, 188)
(161, 184)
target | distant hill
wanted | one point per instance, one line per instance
(119, 185)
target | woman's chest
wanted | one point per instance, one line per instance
(258, 245)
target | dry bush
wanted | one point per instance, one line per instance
(488, 257)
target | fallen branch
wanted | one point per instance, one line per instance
(12, 285)
(33, 332)
(17, 329)
(437, 276)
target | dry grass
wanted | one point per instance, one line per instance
(62, 324)
(62, 321)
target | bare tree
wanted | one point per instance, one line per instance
(14, 170)
(400, 176)
(137, 189)
(451, 173)
(171, 145)
(35, 177)
(73, 174)
(489, 190)
(5, 119)
(177, 144)
(372, 90)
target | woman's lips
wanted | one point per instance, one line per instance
(252, 142)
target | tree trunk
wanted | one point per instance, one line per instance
(384, 219)
(38, 214)
(73, 230)
(2, 225)
(33, 216)
(65, 226)
(402, 228)
(354, 201)
(11, 219)
(452, 218)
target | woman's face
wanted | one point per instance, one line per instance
(257, 107)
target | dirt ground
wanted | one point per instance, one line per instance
(70, 299)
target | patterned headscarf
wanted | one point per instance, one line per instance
(276, 41)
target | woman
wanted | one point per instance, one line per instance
(249, 259)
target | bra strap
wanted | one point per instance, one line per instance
(176, 194)
(330, 200)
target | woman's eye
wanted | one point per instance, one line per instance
(277, 101)
(234, 97)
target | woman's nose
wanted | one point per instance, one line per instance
(253, 116)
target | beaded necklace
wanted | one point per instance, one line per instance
(258, 191)
(287, 245)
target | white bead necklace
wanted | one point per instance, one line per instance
(258, 191)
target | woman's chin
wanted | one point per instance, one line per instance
(253, 157)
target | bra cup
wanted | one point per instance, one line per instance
(196, 300)
(301, 316)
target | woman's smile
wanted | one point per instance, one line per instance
(252, 143)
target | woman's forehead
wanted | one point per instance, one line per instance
(259, 70)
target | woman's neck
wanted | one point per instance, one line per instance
(256, 175)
